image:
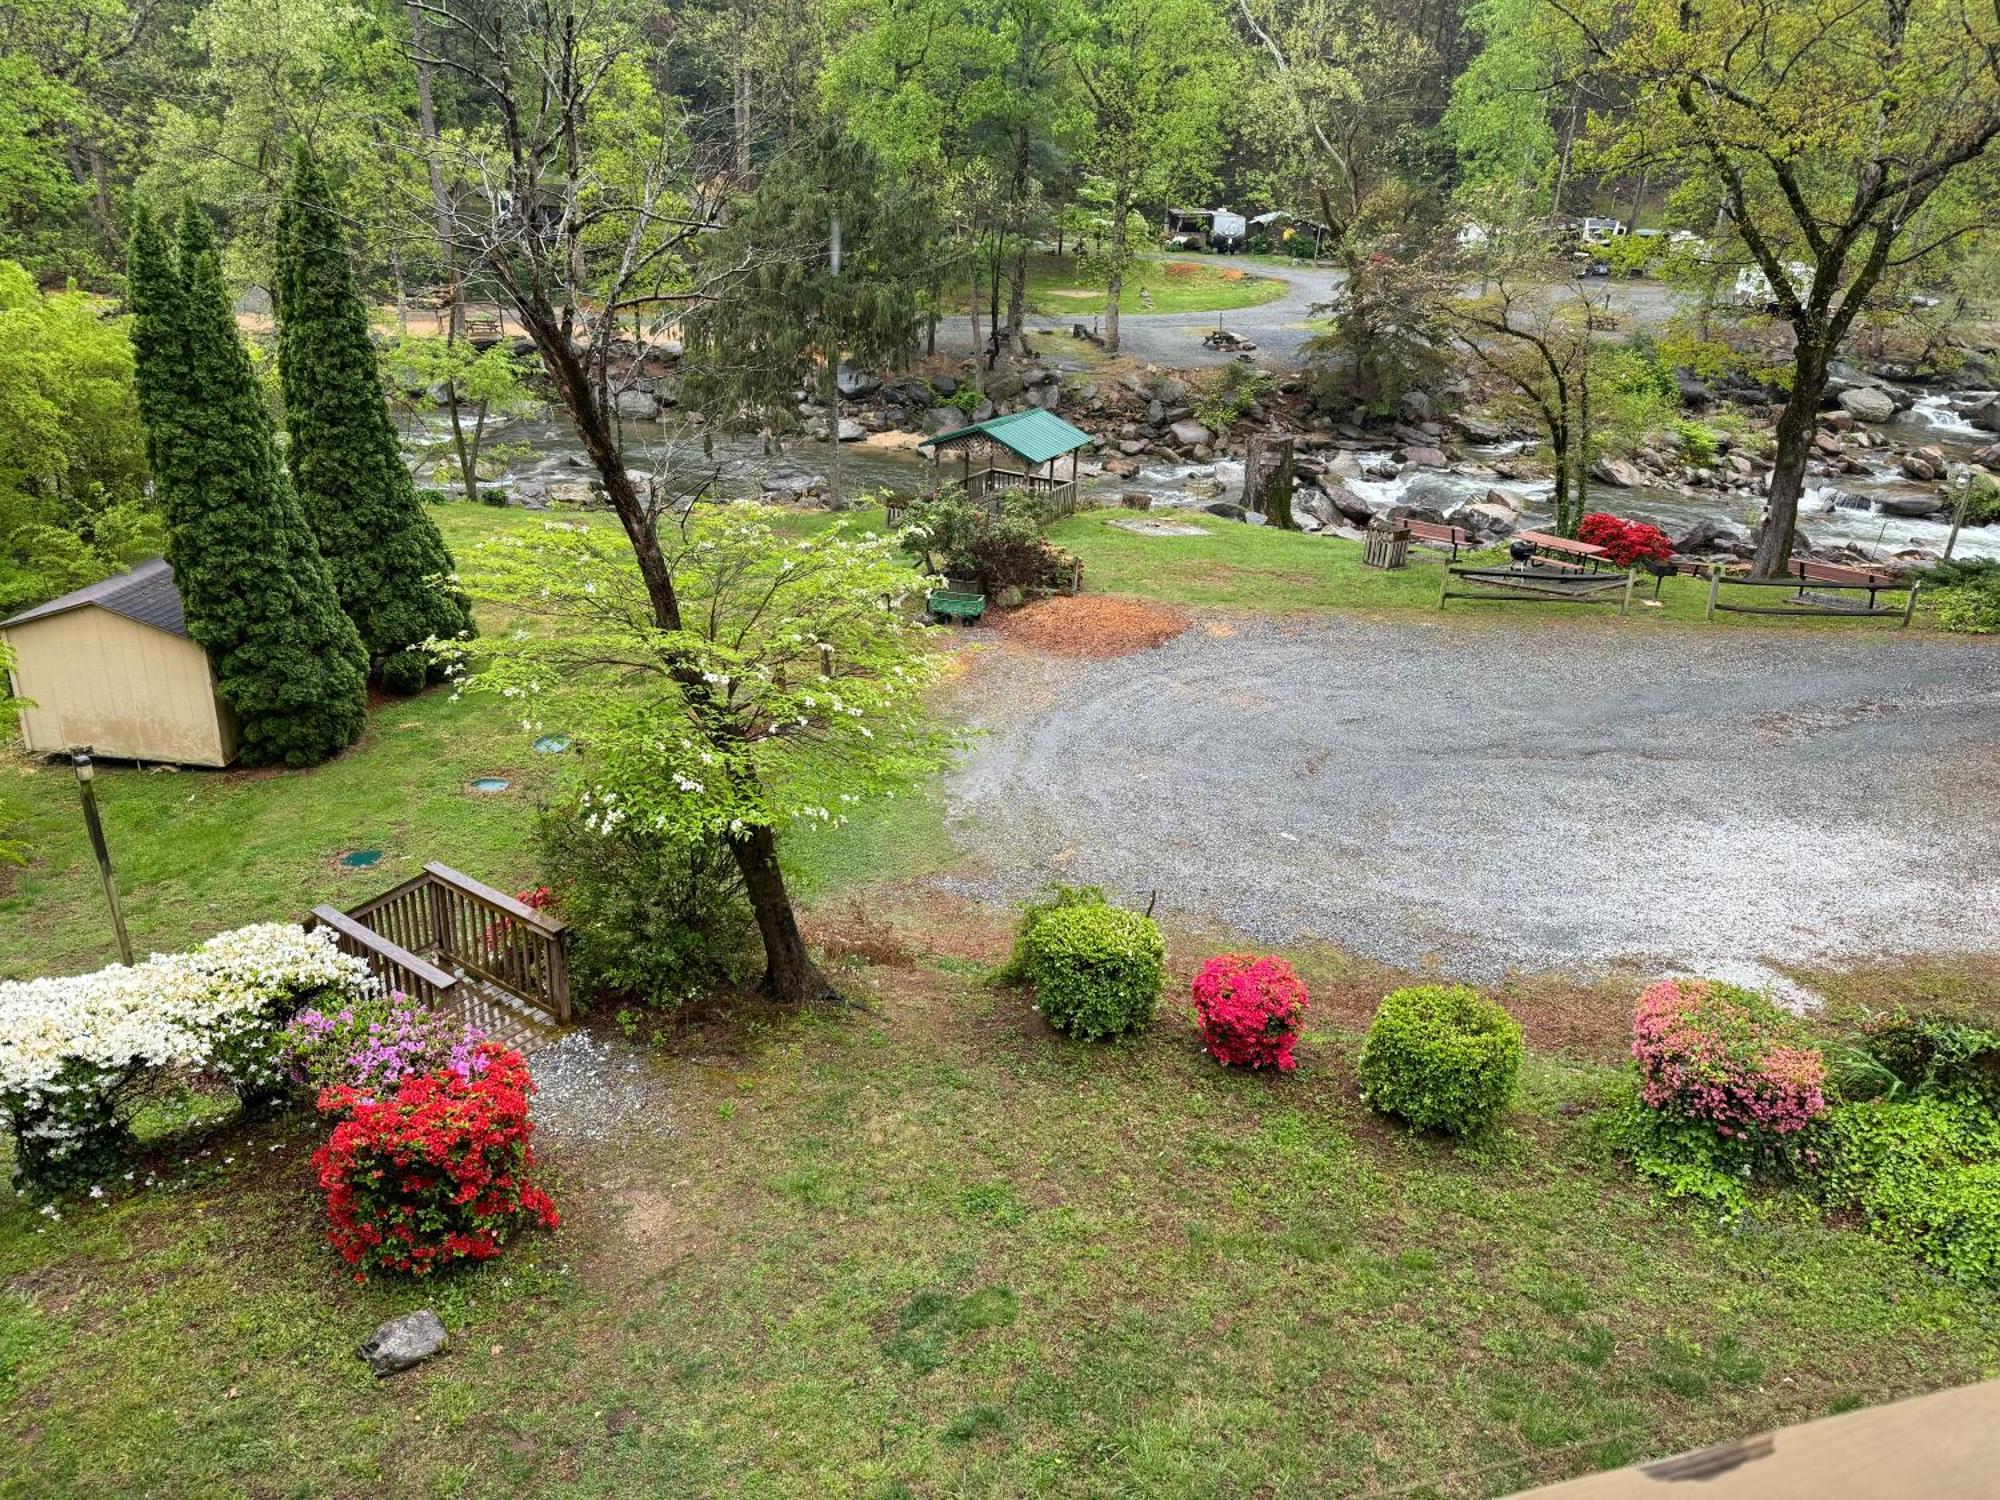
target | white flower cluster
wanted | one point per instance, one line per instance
(68, 1044)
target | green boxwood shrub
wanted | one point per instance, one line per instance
(1098, 970)
(1441, 1057)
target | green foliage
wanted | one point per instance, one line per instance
(1233, 393)
(794, 693)
(73, 507)
(966, 398)
(1053, 898)
(1965, 595)
(949, 535)
(256, 591)
(654, 921)
(1933, 1054)
(1925, 1173)
(480, 388)
(1442, 1057)
(1687, 1158)
(1982, 505)
(1387, 335)
(390, 567)
(1098, 970)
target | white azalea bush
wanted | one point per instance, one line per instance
(73, 1050)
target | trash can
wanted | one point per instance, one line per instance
(1386, 546)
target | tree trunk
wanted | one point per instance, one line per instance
(1788, 469)
(740, 116)
(975, 301)
(434, 167)
(789, 972)
(833, 426)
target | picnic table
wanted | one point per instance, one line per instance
(1565, 552)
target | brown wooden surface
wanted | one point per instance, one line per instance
(1945, 1446)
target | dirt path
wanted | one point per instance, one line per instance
(1495, 796)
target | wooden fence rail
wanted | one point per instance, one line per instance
(445, 920)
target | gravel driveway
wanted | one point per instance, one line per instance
(1502, 796)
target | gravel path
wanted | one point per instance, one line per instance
(1503, 796)
(591, 1090)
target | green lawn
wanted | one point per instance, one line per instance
(1063, 285)
(927, 1248)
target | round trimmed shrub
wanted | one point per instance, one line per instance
(1248, 1010)
(1442, 1057)
(1098, 970)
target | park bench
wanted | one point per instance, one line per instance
(1816, 590)
(1453, 537)
(956, 604)
(1563, 551)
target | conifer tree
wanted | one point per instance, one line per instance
(390, 566)
(255, 591)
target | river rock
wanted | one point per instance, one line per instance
(1424, 457)
(942, 419)
(1190, 433)
(1617, 473)
(1479, 429)
(1227, 511)
(1907, 504)
(403, 1343)
(635, 403)
(1503, 500)
(1708, 536)
(1315, 506)
(855, 383)
(1923, 463)
(1004, 385)
(1867, 404)
(1481, 518)
(790, 484)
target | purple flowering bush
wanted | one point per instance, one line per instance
(373, 1044)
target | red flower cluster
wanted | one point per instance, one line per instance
(434, 1173)
(1722, 1055)
(1625, 542)
(1248, 1009)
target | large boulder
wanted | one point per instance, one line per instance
(1483, 519)
(1617, 473)
(1227, 511)
(1707, 536)
(1191, 434)
(1986, 415)
(942, 419)
(1907, 504)
(1923, 463)
(1865, 403)
(1476, 429)
(636, 403)
(851, 431)
(1348, 504)
(855, 383)
(1422, 456)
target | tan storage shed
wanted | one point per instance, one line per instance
(111, 666)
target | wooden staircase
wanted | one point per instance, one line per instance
(444, 938)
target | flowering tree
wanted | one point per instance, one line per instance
(792, 690)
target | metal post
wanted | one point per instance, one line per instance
(1958, 511)
(86, 776)
(1714, 586)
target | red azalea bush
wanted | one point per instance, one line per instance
(435, 1172)
(1625, 542)
(1248, 1009)
(1726, 1057)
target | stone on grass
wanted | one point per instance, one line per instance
(402, 1343)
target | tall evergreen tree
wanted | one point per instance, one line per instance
(256, 592)
(390, 566)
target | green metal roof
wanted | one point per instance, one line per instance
(1035, 435)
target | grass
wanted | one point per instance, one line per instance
(927, 1248)
(1067, 284)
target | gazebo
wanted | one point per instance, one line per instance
(1016, 452)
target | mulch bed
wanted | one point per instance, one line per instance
(1090, 625)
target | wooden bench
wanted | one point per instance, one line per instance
(481, 326)
(1563, 551)
(1802, 574)
(1840, 576)
(1453, 537)
(956, 604)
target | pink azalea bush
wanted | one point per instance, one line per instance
(1248, 1009)
(1726, 1057)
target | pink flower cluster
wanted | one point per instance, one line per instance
(1248, 1009)
(1717, 1054)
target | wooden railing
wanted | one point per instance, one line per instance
(465, 926)
(1061, 493)
(391, 963)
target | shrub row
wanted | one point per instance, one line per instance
(1440, 1057)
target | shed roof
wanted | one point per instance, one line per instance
(146, 594)
(1036, 436)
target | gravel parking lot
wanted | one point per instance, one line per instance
(1495, 795)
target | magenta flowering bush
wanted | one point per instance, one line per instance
(373, 1044)
(1248, 1009)
(1726, 1057)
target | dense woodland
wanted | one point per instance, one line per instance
(604, 169)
